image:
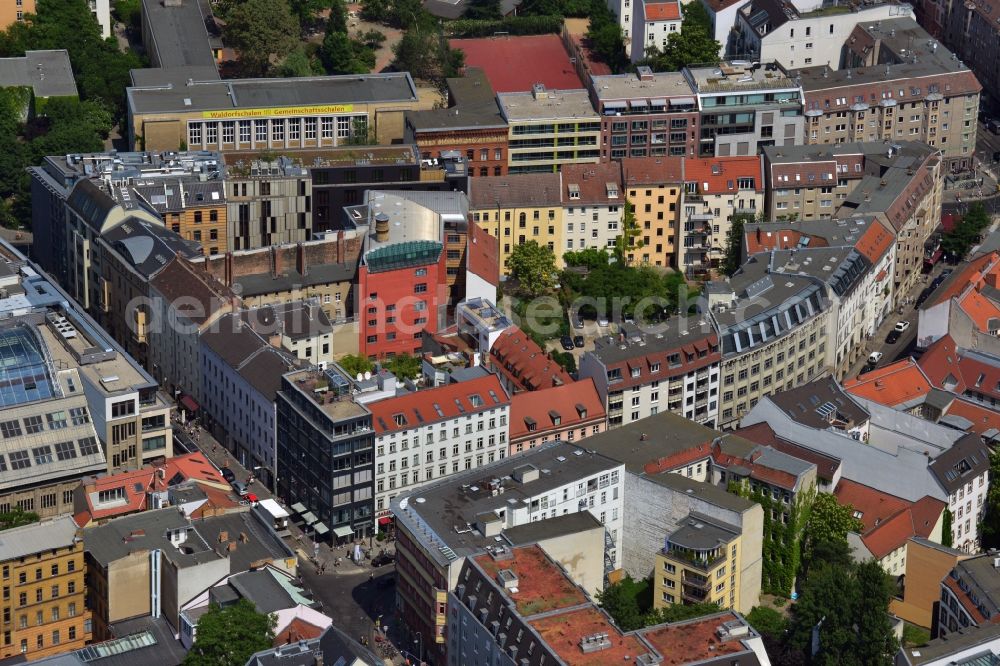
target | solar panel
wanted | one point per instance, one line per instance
(420, 416)
(437, 408)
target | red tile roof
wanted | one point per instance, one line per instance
(757, 240)
(981, 377)
(564, 401)
(982, 311)
(297, 630)
(875, 242)
(652, 170)
(420, 408)
(717, 175)
(982, 418)
(515, 64)
(679, 459)
(875, 506)
(940, 365)
(523, 362)
(592, 181)
(889, 521)
(483, 254)
(662, 11)
(974, 273)
(891, 385)
(963, 598)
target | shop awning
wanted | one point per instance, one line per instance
(309, 517)
(638, 103)
(343, 531)
(385, 520)
(657, 102)
(298, 508)
(321, 529)
(188, 403)
(614, 105)
(682, 101)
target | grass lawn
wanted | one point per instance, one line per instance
(914, 636)
(641, 591)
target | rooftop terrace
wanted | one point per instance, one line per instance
(530, 579)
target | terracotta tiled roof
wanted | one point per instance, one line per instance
(679, 459)
(591, 181)
(524, 363)
(450, 401)
(940, 365)
(972, 273)
(564, 402)
(982, 418)
(875, 506)
(297, 630)
(891, 385)
(662, 11)
(889, 521)
(890, 535)
(981, 377)
(963, 598)
(875, 242)
(982, 311)
(639, 171)
(720, 173)
(761, 433)
(483, 254)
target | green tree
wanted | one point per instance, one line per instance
(876, 644)
(621, 605)
(230, 636)
(296, 64)
(828, 601)
(307, 11)
(590, 258)
(626, 240)
(483, 10)
(991, 513)
(376, 11)
(966, 232)
(407, 14)
(534, 268)
(338, 17)
(828, 522)
(733, 258)
(355, 365)
(260, 30)
(17, 517)
(128, 12)
(404, 366)
(946, 520)
(373, 39)
(565, 359)
(694, 44)
(768, 622)
(338, 55)
(425, 54)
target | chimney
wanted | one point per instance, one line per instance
(382, 228)
(538, 91)
(223, 536)
(300, 258)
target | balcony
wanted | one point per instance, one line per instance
(695, 581)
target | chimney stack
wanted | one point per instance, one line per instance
(382, 228)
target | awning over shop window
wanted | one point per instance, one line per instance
(298, 508)
(321, 529)
(343, 531)
(385, 520)
(309, 517)
(188, 403)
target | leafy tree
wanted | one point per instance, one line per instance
(828, 601)
(338, 17)
(376, 11)
(260, 29)
(339, 55)
(605, 36)
(17, 517)
(767, 622)
(296, 64)
(372, 38)
(828, 522)
(621, 605)
(946, 520)
(694, 44)
(355, 365)
(404, 366)
(966, 232)
(306, 11)
(876, 644)
(406, 14)
(734, 243)
(590, 258)
(512, 25)
(128, 12)
(626, 240)
(991, 513)
(483, 10)
(425, 53)
(229, 636)
(534, 267)
(566, 360)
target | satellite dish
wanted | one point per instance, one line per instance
(368, 375)
(359, 377)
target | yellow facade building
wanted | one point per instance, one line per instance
(519, 208)
(654, 187)
(700, 563)
(44, 611)
(13, 11)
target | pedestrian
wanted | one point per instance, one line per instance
(371, 577)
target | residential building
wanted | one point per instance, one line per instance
(715, 190)
(898, 85)
(693, 565)
(153, 563)
(982, 643)
(593, 206)
(828, 468)
(722, 14)
(431, 433)
(969, 596)
(804, 32)
(653, 23)
(299, 327)
(240, 378)
(327, 458)
(516, 209)
(549, 128)
(515, 63)
(193, 209)
(402, 279)
(14, 13)
(480, 278)
(44, 585)
(668, 475)
(270, 114)
(963, 472)
(522, 365)
(971, 33)
(927, 563)
(744, 108)
(49, 73)
(508, 496)
(331, 646)
(471, 125)
(640, 373)
(569, 412)
(963, 306)
(268, 202)
(808, 183)
(774, 337)
(654, 188)
(646, 114)
(147, 640)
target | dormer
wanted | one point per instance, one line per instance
(581, 411)
(556, 418)
(612, 190)
(574, 191)
(531, 423)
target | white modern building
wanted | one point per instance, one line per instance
(428, 434)
(593, 205)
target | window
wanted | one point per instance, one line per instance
(10, 429)
(33, 424)
(88, 446)
(57, 420)
(79, 416)
(19, 460)
(122, 408)
(154, 443)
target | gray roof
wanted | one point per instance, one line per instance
(266, 283)
(964, 461)
(178, 76)
(261, 588)
(659, 436)
(651, 339)
(901, 471)
(706, 492)
(262, 544)
(177, 194)
(539, 530)
(236, 94)
(981, 580)
(473, 106)
(144, 640)
(556, 105)
(148, 247)
(840, 268)
(440, 506)
(334, 646)
(297, 320)
(893, 428)
(815, 403)
(48, 73)
(968, 641)
(700, 532)
(37, 537)
(249, 353)
(146, 531)
(629, 86)
(177, 34)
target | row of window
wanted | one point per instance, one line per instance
(250, 132)
(43, 455)
(32, 425)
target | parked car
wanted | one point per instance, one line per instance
(993, 125)
(382, 559)
(566, 342)
(578, 342)
(240, 488)
(893, 337)
(901, 326)
(227, 474)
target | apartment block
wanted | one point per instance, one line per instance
(652, 25)
(970, 32)
(654, 188)
(898, 84)
(549, 128)
(432, 433)
(44, 602)
(646, 114)
(699, 563)
(268, 202)
(639, 374)
(970, 595)
(593, 206)
(569, 412)
(196, 210)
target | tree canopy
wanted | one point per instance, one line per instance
(829, 521)
(991, 512)
(425, 54)
(17, 517)
(966, 232)
(260, 30)
(355, 365)
(694, 44)
(534, 268)
(404, 366)
(733, 258)
(230, 636)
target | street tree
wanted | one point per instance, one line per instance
(876, 643)
(230, 636)
(828, 521)
(534, 268)
(991, 513)
(260, 30)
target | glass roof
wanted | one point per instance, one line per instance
(24, 374)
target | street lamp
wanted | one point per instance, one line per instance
(420, 650)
